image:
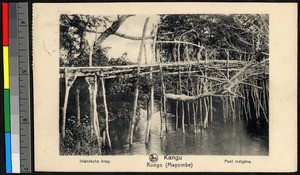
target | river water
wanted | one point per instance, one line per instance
(220, 138)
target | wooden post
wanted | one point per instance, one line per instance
(200, 112)
(206, 113)
(226, 108)
(65, 111)
(231, 109)
(69, 80)
(194, 118)
(176, 116)
(136, 92)
(149, 119)
(151, 112)
(93, 86)
(228, 77)
(91, 55)
(161, 117)
(104, 138)
(180, 89)
(78, 105)
(106, 112)
(163, 91)
(211, 105)
(211, 108)
(199, 101)
(147, 136)
(165, 110)
(182, 118)
(188, 114)
(177, 90)
(248, 104)
(189, 78)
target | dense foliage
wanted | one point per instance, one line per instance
(237, 33)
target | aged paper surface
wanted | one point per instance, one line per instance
(282, 155)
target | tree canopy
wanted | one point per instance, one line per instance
(247, 33)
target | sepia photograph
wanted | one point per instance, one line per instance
(165, 87)
(184, 84)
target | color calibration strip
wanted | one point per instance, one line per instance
(7, 128)
(14, 87)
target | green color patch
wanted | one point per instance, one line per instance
(6, 111)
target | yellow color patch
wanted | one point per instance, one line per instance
(6, 67)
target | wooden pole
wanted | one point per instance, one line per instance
(106, 112)
(194, 118)
(165, 110)
(161, 117)
(78, 105)
(136, 91)
(228, 77)
(151, 112)
(176, 116)
(147, 136)
(180, 89)
(177, 89)
(91, 55)
(104, 138)
(200, 112)
(65, 111)
(93, 87)
(182, 118)
(206, 113)
(248, 104)
(206, 99)
(224, 108)
(69, 80)
(189, 78)
(200, 103)
(163, 91)
(211, 109)
(188, 114)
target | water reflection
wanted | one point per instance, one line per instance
(230, 138)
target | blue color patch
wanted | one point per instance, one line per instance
(8, 153)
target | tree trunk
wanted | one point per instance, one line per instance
(69, 80)
(112, 29)
(106, 112)
(93, 87)
(136, 92)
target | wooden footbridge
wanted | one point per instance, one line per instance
(199, 75)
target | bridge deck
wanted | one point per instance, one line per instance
(168, 68)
